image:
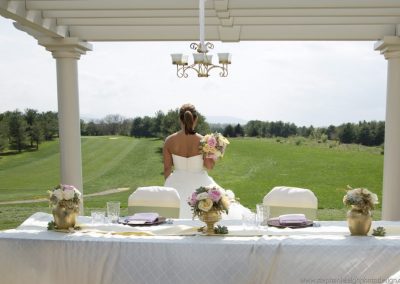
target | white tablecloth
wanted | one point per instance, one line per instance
(325, 254)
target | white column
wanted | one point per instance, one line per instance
(390, 48)
(67, 53)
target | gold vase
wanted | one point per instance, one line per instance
(210, 218)
(64, 217)
(359, 222)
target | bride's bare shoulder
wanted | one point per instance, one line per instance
(171, 138)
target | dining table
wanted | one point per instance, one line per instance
(177, 251)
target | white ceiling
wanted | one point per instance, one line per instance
(226, 20)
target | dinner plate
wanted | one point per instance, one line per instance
(158, 221)
(274, 222)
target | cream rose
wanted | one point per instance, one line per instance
(58, 194)
(205, 204)
(69, 194)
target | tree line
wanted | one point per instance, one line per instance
(26, 130)
(370, 133)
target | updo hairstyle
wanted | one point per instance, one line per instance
(188, 115)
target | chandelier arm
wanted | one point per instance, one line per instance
(224, 69)
(181, 71)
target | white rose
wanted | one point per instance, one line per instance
(58, 194)
(202, 196)
(69, 194)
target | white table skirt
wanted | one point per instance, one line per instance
(325, 254)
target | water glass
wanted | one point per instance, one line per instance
(98, 217)
(113, 211)
(249, 221)
(262, 214)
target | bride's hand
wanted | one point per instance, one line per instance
(209, 163)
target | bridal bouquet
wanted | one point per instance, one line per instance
(360, 198)
(207, 199)
(213, 146)
(65, 196)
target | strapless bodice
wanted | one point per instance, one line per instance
(190, 164)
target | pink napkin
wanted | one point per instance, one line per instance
(292, 219)
(143, 217)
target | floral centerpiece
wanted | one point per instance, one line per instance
(208, 203)
(213, 146)
(361, 199)
(362, 202)
(64, 200)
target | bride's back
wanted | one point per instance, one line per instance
(183, 145)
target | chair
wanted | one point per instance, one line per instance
(290, 200)
(163, 200)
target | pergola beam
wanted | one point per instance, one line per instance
(190, 4)
(31, 19)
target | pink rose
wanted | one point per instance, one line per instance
(212, 142)
(214, 194)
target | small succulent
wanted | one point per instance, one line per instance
(51, 226)
(379, 232)
(223, 230)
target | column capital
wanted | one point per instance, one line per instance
(389, 46)
(69, 47)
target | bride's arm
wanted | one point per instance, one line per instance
(167, 160)
(209, 163)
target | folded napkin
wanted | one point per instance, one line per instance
(142, 218)
(292, 219)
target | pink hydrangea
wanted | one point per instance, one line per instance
(193, 199)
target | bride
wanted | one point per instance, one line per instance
(184, 165)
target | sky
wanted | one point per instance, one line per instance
(307, 83)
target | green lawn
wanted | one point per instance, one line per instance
(250, 168)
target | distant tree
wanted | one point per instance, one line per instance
(347, 133)
(156, 126)
(238, 130)
(229, 131)
(113, 123)
(125, 127)
(3, 134)
(49, 124)
(17, 131)
(331, 132)
(365, 137)
(379, 133)
(34, 129)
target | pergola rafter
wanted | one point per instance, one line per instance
(65, 27)
(226, 20)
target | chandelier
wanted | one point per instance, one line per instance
(202, 61)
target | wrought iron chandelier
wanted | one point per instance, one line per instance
(202, 61)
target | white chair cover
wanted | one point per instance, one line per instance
(163, 200)
(286, 200)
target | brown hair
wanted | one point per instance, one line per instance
(188, 114)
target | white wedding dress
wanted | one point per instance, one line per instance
(188, 175)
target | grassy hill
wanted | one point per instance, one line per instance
(250, 168)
